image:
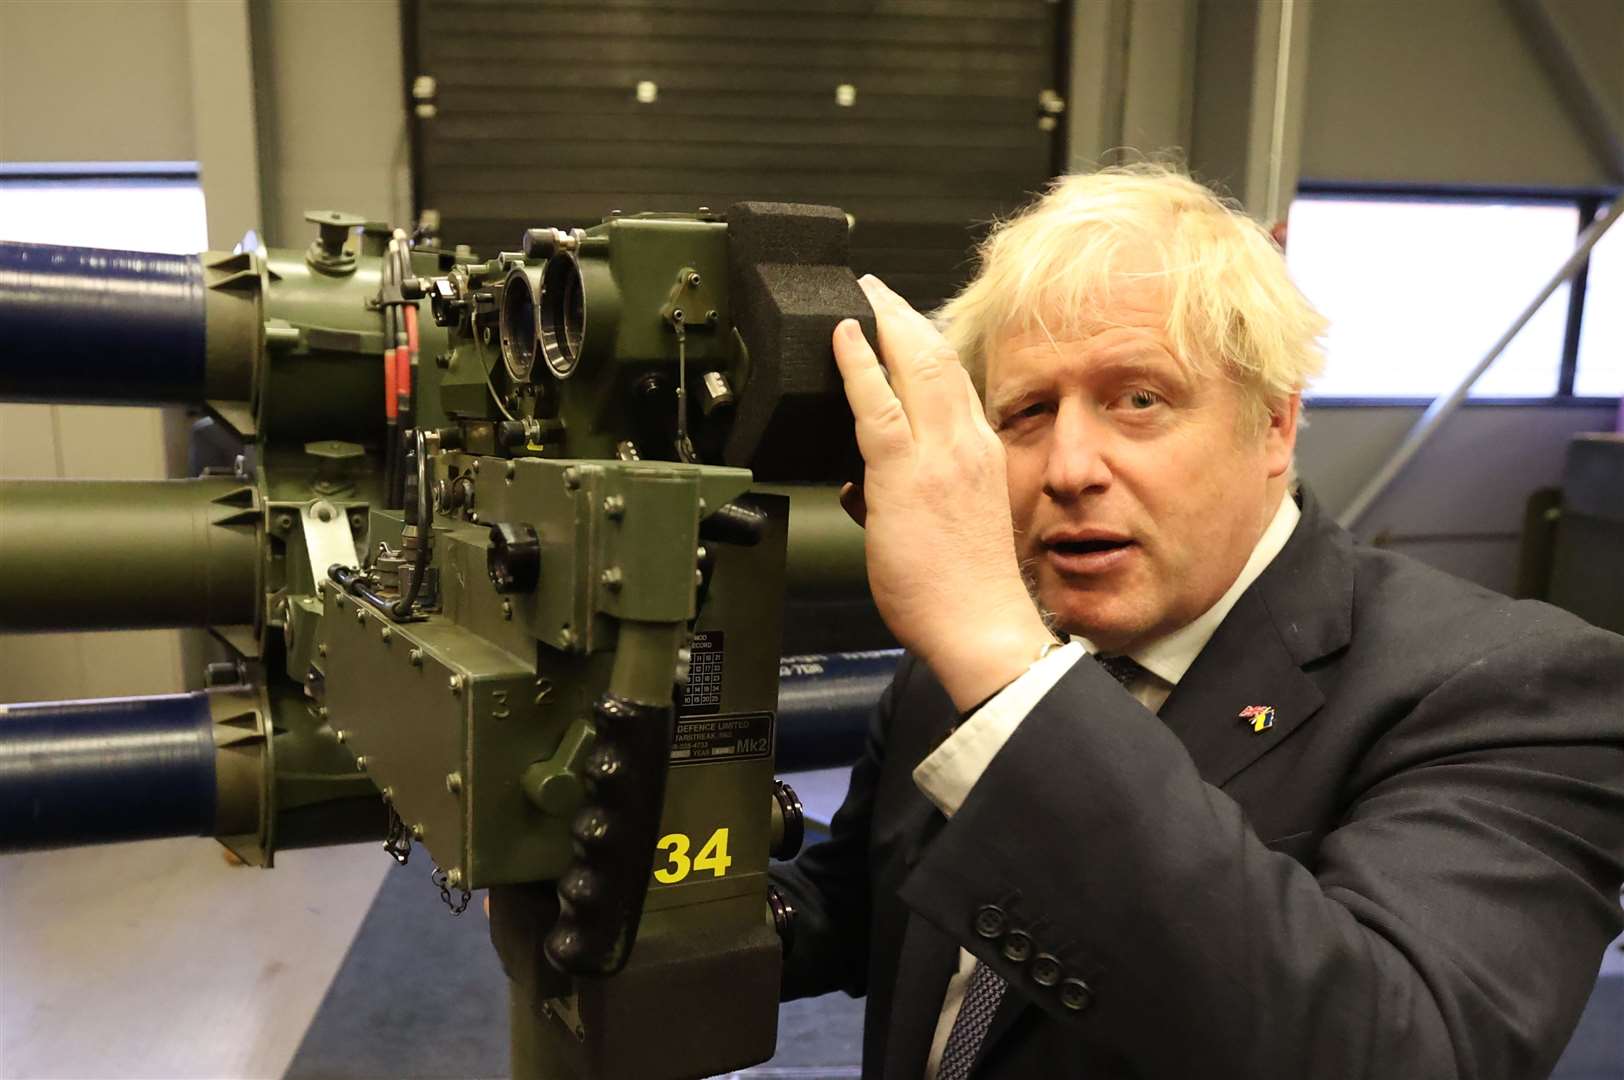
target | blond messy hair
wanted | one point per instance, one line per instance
(1230, 303)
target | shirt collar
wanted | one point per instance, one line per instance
(1169, 657)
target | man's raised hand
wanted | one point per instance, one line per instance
(934, 504)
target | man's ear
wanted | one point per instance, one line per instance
(1280, 437)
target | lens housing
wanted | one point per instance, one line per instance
(563, 314)
(517, 322)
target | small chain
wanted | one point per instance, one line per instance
(457, 906)
(397, 840)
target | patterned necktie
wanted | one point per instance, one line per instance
(970, 1026)
(1124, 669)
(987, 987)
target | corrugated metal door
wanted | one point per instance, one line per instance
(921, 118)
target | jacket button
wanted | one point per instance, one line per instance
(1045, 970)
(1017, 946)
(1075, 995)
(990, 921)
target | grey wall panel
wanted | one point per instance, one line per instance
(95, 80)
(1460, 504)
(1444, 91)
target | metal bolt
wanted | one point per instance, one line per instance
(321, 712)
(509, 472)
(473, 519)
(572, 478)
(415, 658)
(361, 763)
(713, 315)
(693, 281)
(474, 468)
(699, 578)
(321, 648)
(340, 735)
(284, 522)
(614, 507)
(385, 634)
(700, 553)
(360, 613)
(566, 638)
(507, 609)
(455, 682)
(417, 831)
(454, 879)
(388, 794)
(358, 522)
(453, 782)
(612, 579)
(324, 511)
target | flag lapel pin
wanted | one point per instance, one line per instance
(1260, 717)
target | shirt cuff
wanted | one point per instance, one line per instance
(948, 774)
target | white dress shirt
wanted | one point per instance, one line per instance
(948, 774)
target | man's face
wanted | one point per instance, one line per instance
(1138, 489)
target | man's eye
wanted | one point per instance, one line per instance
(1025, 412)
(1142, 399)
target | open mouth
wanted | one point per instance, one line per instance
(1088, 547)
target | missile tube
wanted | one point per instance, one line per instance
(95, 326)
(92, 555)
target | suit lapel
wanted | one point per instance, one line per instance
(1299, 610)
(1245, 666)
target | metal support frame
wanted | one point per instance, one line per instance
(1444, 406)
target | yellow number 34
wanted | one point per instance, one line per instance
(713, 857)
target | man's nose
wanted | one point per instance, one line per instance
(1077, 463)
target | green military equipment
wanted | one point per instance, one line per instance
(506, 583)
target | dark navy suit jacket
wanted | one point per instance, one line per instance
(1412, 873)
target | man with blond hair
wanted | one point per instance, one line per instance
(1282, 805)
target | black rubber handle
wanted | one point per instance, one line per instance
(601, 894)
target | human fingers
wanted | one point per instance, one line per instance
(883, 429)
(978, 408)
(922, 366)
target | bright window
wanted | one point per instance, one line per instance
(1601, 333)
(1417, 290)
(133, 207)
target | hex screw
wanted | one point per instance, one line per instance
(341, 736)
(507, 610)
(388, 794)
(321, 648)
(509, 472)
(284, 522)
(361, 763)
(612, 579)
(417, 831)
(614, 507)
(572, 478)
(453, 783)
(693, 280)
(474, 468)
(415, 658)
(385, 635)
(321, 712)
(566, 638)
(454, 878)
(360, 613)
(455, 682)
